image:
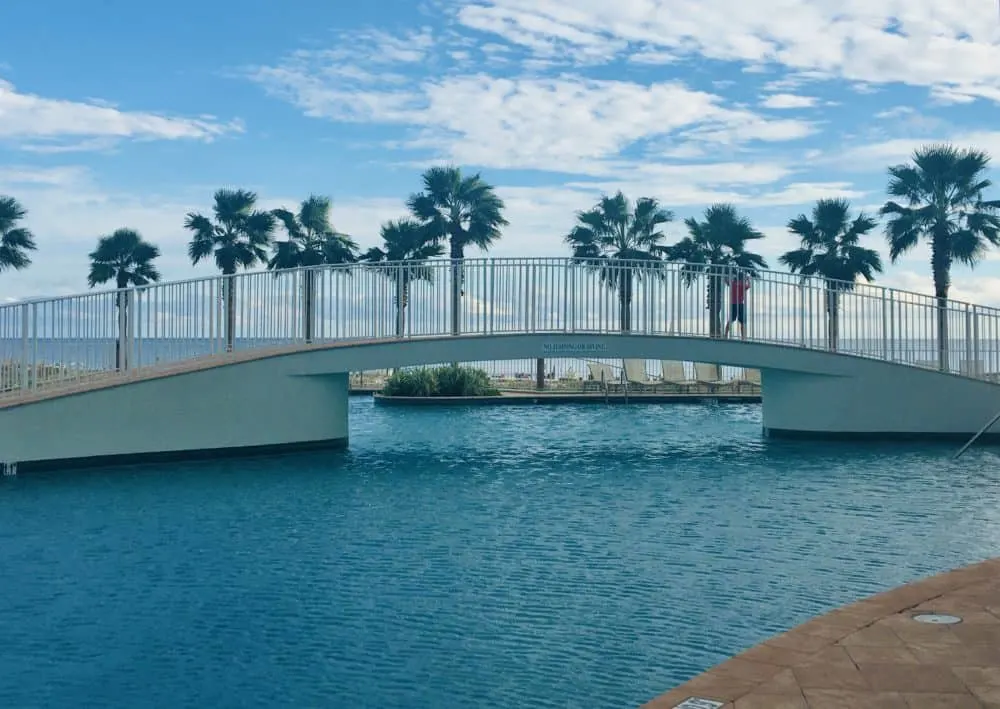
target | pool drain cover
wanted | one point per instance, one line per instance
(937, 618)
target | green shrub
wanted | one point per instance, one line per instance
(450, 380)
(463, 381)
(410, 382)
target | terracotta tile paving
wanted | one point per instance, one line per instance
(872, 654)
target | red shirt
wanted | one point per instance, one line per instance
(738, 291)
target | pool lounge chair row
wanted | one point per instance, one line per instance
(707, 378)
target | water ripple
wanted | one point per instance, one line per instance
(518, 556)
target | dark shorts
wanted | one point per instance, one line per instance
(738, 313)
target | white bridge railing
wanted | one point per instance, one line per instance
(58, 343)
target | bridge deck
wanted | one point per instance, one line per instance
(93, 381)
(109, 379)
(872, 654)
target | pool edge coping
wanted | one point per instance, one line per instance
(807, 643)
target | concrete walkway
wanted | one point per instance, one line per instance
(874, 653)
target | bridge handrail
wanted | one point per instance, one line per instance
(78, 337)
(869, 289)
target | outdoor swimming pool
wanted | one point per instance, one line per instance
(491, 557)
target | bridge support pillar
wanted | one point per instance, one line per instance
(251, 408)
(894, 403)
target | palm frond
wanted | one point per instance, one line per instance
(290, 222)
(941, 191)
(124, 257)
(231, 206)
(11, 212)
(716, 243)
(314, 214)
(15, 241)
(464, 210)
(286, 255)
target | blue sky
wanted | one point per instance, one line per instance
(128, 114)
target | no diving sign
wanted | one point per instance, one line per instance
(699, 703)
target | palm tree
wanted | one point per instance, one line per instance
(623, 242)
(407, 245)
(830, 249)
(15, 241)
(123, 257)
(238, 238)
(715, 247)
(462, 210)
(312, 241)
(942, 201)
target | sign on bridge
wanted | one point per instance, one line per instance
(573, 349)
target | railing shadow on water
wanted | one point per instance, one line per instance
(62, 341)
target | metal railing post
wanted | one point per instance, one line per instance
(121, 298)
(810, 317)
(129, 329)
(885, 333)
(137, 326)
(400, 301)
(493, 302)
(892, 326)
(975, 342)
(801, 292)
(572, 295)
(34, 342)
(25, 350)
(969, 364)
(533, 303)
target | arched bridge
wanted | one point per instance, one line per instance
(260, 360)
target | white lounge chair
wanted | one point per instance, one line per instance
(748, 377)
(635, 372)
(673, 373)
(601, 372)
(708, 375)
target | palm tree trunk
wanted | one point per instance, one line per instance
(230, 285)
(625, 300)
(714, 304)
(456, 289)
(120, 349)
(401, 288)
(309, 299)
(832, 318)
(942, 327)
(941, 268)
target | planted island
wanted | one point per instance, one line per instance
(447, 381)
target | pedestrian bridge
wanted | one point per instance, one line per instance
(260, 361)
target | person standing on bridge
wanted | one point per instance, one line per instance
(738, 287)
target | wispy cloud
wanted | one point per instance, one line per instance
(779, 101)
(51, 125)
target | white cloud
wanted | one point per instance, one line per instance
(653, 57)
(896, 112)
(951, 47)
(899, 150)
(968, 286)
(42, 122)
(562, 124)
(781, 101)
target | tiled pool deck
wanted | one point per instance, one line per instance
(871, 654)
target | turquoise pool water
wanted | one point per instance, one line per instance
(490, 557)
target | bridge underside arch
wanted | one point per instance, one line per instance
(284, 400)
